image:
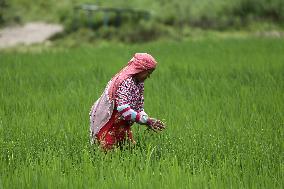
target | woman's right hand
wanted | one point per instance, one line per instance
(155, 124)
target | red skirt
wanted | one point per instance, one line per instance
(115, 131)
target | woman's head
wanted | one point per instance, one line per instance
(142, 65)
(143, 61)
(142, 76)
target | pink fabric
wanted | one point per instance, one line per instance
(140, 62)
(103, 108)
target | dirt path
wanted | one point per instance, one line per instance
(34, 32)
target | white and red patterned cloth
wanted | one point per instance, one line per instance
(129, 100)
(130, 92)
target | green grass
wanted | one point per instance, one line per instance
(223, 101)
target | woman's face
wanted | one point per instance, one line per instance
(142, 76)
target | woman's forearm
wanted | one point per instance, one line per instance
(131, 115)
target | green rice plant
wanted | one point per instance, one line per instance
(222, 101)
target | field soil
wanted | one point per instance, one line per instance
(30, 33)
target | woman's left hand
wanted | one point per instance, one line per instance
(156, 124)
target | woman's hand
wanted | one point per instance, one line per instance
(155, 124)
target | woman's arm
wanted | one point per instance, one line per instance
(123, 96)
(141, 117)
(131, 115)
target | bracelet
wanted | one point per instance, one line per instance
(144, 119)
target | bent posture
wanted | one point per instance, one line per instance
(122, 104)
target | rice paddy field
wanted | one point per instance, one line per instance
(222, 99)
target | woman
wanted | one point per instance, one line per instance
(121, 104)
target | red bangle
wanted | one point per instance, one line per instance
(138, 117)
(125, 110)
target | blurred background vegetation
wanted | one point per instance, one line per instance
(169, 18)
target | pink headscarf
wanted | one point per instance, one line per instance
(140, 62)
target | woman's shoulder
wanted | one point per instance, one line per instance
(128, 81)
(131, 83)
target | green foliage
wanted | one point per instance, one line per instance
(222, 100)
(142, 31)
(3, 5)
(5, 14)
(166, 16)
(202, 13)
